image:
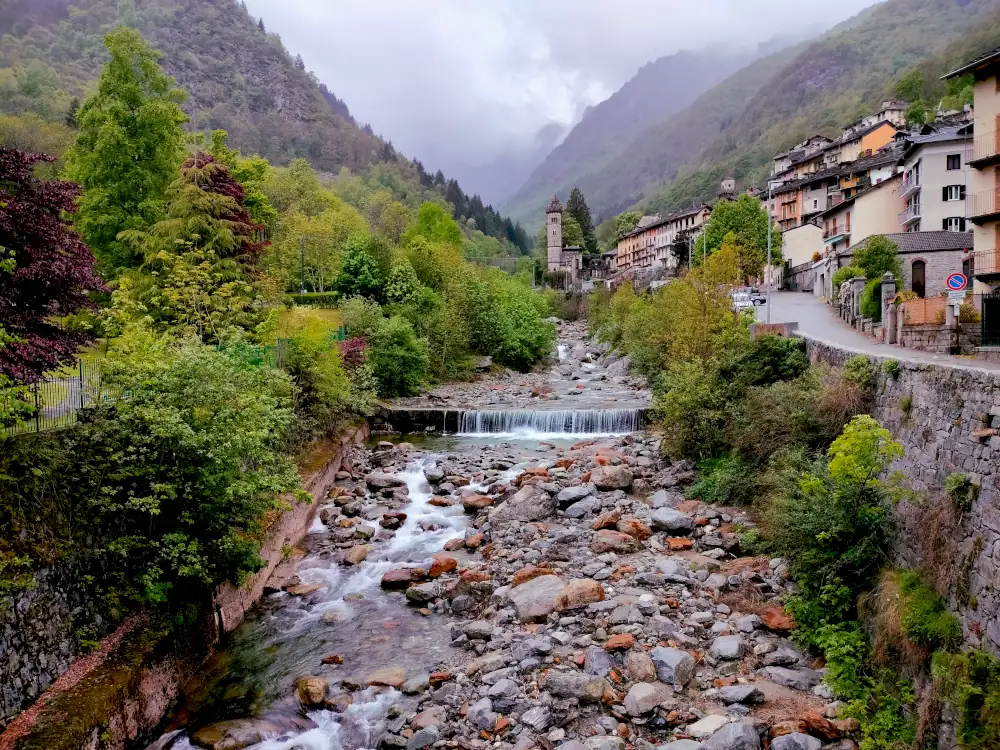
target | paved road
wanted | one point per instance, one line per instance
(818, 321)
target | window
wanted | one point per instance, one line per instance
(953, 224)
(969, 267)
(953, 193)
(815, 204)
(918, 273)
(954, 161)
(553, 220)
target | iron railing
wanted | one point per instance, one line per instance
(908, 214)
(835, 230)
(986, 262)
(908, 185)
(984, 146)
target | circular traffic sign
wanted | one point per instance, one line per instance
(957, 282)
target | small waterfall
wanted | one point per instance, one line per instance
(541, 423)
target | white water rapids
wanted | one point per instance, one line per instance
(549, 424)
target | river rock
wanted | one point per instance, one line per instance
(537, 598)
(796, 741)
(597, 662)
(640, 667)
(578, 593)
(357, 554)
(393, 677)
(530, 503)
(583, 508)
(797, 679)
(727, 647)
(481, 715)
(399, 578)
(538, 718)
(379, 480)
(668, 519)
(611, 742)
(707, 727)
(583, 687)
(606, 540)
(475, 503)
(422, 738)
(745, 694)
(736, 736)
(643, 697)
(240, 733)
(682, 745)
(673, 666)
(574, 494)
(312, 691)
(611, 477)
(423, 593)
(431, 717)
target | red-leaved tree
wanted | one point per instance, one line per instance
(53, 270)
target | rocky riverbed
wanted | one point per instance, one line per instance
(488, 593)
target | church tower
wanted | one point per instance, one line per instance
(553, 220)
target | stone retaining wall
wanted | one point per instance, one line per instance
(948, 420)
(39, 634)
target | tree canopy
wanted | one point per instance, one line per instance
(576, 207)
(746, 219)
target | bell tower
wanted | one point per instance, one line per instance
(553, 222)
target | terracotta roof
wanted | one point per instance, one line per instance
(925, 242)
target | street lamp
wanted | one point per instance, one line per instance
(767, 210)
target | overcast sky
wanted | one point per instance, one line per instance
(465, 84)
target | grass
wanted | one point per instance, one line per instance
(330, 315)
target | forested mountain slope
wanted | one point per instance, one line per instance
(660, 89)
(239, 78)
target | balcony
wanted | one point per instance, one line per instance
(985, 150)
(833, 189)
(835, 232)
(834, 200)
(983, 206)
(910, 185)
(909, 214)
(986, 263)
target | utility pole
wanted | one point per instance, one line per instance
(767, 270)
(302, 264)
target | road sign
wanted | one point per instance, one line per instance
(956, 298)
(957, 282)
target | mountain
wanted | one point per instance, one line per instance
(660, 88)
(238, 77)
(772, 103)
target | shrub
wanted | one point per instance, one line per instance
(692, 409)
(871, 299)
(313, 299)
(845, 274)
(906, 403)
(924, 620)
(765, 360)
(777, 417)
(967, 313)
(730, 480)
(861, 371)
(970, 684)
(891, 368)
(398, 357)
(362, 317)
(961, 491)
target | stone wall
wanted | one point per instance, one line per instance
(938, 338)
(41, 628)
(948, 421)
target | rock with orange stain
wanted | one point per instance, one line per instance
(607, 520)
(475, 541)
(791, 726)
(475, 503)
(578, 593)
(442, 564)
(528, 572)
(454, 544)
(620, 642)
(678, 543)
(776, 619)
(634, 528)
(819, 726)
(565, 463)
(606, 540)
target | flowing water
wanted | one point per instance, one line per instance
(287, 636)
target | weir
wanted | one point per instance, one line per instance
(535, 423)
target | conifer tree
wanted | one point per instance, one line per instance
(576, 207)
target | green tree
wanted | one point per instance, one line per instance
(747, 220)
(402, 285)
(572, 234)
(251, 173)
(877, 257)
(576, 207)
(626, 222)
(359, 273)
(128, 149)
(435, 225)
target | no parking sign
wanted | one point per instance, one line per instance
(957, 282)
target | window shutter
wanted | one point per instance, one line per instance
(944, 193)
(961, 191)
(944, 224)
(961, 225)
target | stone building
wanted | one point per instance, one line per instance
(568, 260)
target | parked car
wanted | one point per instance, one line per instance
(745, 297)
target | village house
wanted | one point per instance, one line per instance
(650, 244)
(935, 176)
(983, 194)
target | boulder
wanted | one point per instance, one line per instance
(606, 540)
(739, 735)
(537, 598)
(530, 503)
(357, 554)
(681, 745)
(620, 642)
(584, 687)
(393, 677)
(570, 495)
(707, 726)
(796, 741)
(797, 679)
(668, 519)
(578, 593)
(312, 691)
(480, 630)
(745, 694)
(379, 480)
(673, 666)
(775, 618)
(597, 662)
(240, 733)
(423, 738)
(611, 477)
(635, 529)
(640, 667)
(727, 647)
(583, 508)
(643, 697)
(481, 715)
(399, 578)
(476, 503)
(432, 717)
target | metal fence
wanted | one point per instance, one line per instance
(56, 400)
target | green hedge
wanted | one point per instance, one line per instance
(313, 299)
